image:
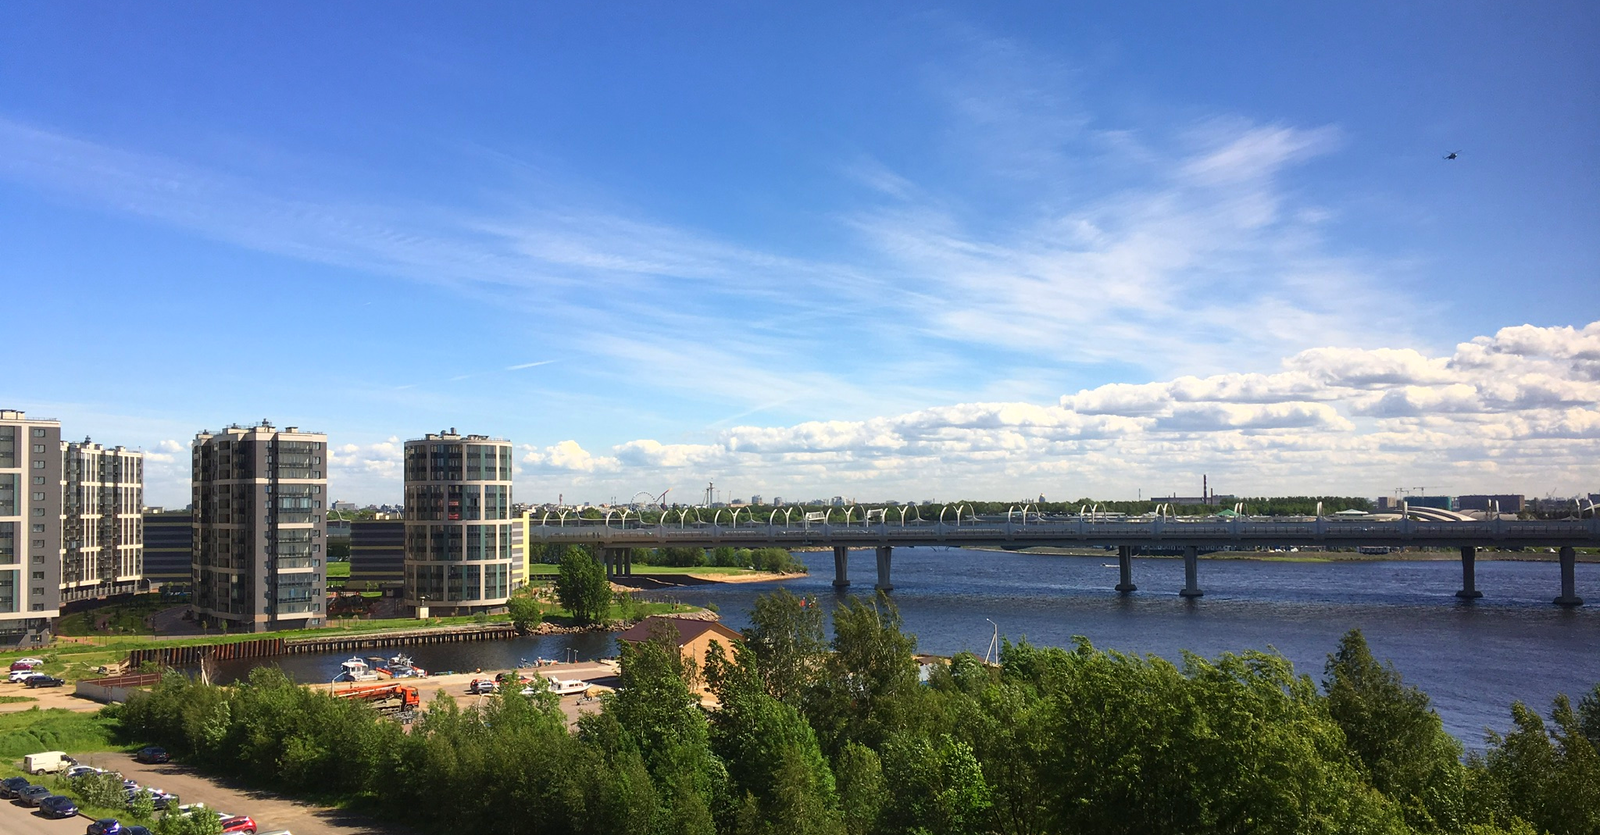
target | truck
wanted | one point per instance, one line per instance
(47, 762)
(387, 698)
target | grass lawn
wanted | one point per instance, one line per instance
(31, 731)
(16, 700)
(338, 570)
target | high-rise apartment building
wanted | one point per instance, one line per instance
(102, 526)
(458, 555)
(377, 554)
(260, 527)
(168, 546)
(30, 524)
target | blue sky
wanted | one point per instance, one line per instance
(878, 250)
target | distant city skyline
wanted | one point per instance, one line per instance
(851, 249)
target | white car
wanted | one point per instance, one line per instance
(19, 676)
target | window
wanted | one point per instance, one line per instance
(38, 575)
(38, 433)
(38, 528)
(38, 497)
(38, 479)
(37, 464)
(38, 447)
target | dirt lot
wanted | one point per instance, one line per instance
(269, 810)
(45, 698)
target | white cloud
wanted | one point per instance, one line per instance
(1343, 420)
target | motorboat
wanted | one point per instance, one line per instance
(401, 666)
(356, 669)
(566, 687)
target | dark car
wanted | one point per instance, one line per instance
(57, 806)
(152, 754)
(105, 826)
(11, 785)
(45, 681)
(31, 795)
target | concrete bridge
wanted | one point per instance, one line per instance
(613, 537)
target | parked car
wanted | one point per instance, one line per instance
(31, 795)
(44, 681)
(152, 754)
(11, 785)
(80, 770)
(26, 664)
(239, 823)
(20, 676)
(58, 806)
(480, 686)
(104, 826)
(158, 798)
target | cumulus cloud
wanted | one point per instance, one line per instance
(1514, 412)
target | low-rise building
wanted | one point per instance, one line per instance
(693, 638)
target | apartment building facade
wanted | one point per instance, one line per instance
(458, 525)
(260, 528)
(30, 525)
(102, 548)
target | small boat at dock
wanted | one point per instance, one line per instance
(356, 669)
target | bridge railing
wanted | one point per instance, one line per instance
(624, 532)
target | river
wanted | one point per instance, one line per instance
(1472, 658)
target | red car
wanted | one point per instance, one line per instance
(239, 823)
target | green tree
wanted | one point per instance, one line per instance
(1589, 716)
(526, 613)
(1399, 739)
(771, 754)
(196, 822)
(1548, 776)
(142, 805)
(939, 787)
(787, 644)
(1136, 745)
(582, 587)
(862, 793)
(100, 789)
(869, 677)
(681, 557)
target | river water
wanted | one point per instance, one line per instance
(1472, 658)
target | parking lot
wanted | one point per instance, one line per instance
(269, 810)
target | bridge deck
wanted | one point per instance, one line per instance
(1088, 532)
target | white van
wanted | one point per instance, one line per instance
(47, 762)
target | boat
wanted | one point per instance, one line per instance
(566, 687)
(356, 669)
(401, 666)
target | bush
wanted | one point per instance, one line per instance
(775, 560)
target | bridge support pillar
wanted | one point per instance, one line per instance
(1469, 574)
(1569, 590)
(627, 562)
(841, 567)
(884, 583)
(1191, 571)
(1125, 568)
